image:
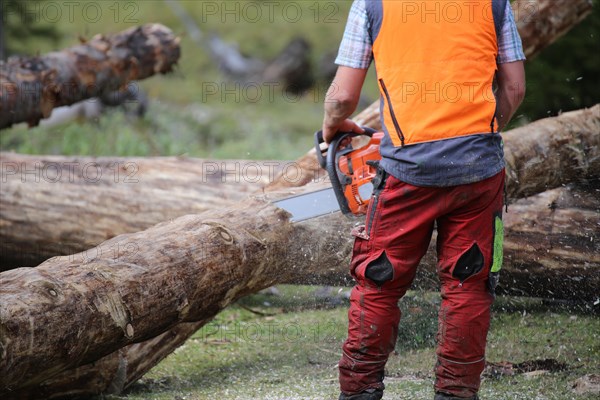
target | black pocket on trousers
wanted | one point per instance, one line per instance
(380, 270)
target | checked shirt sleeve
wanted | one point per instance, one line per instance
(356, 49)
(510, 48)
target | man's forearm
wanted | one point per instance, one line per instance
(511, 91)
(508, 101)
(336, 112)
(341, 101)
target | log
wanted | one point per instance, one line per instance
(31, 87)
(101, 193)
(540, 23)
(190, 268)
(552, 152)
(54, 205)
(111, 374)
(130, 195)
(184, 270)
(552, 246)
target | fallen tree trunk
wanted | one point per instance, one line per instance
(552, 246)
(190, 268)
(31, 87)
(552, 152)
(540, 23)
(181, 271)
(54, 205)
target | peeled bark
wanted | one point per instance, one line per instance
(31, 87)
(54, 205)
(540, 23)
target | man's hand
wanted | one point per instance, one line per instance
(341, 101)
(346, 126)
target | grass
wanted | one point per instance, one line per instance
(291, 349)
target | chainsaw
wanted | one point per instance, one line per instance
(350, 171)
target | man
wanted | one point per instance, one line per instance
(442, 163)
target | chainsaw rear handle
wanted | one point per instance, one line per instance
(319, 140)
(330, 163)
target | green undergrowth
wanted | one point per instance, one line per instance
(287, 346)
(167, 130)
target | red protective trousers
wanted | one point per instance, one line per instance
(387, 250)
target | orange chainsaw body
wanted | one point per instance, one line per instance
(357, 168)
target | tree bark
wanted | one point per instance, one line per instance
(192, 267)
(54, 205)
(540, 23)
(31, 87)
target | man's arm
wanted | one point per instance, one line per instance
(341, 101)
(511, 90)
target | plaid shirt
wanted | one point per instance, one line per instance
(356, 49)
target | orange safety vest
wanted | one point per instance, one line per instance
(435, 63)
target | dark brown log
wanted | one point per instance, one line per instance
(540, 23)
(31, 87)
(54, 205)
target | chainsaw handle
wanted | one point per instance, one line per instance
(319, 140)
(332, 167)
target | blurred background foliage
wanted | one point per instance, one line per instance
(237, 122)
